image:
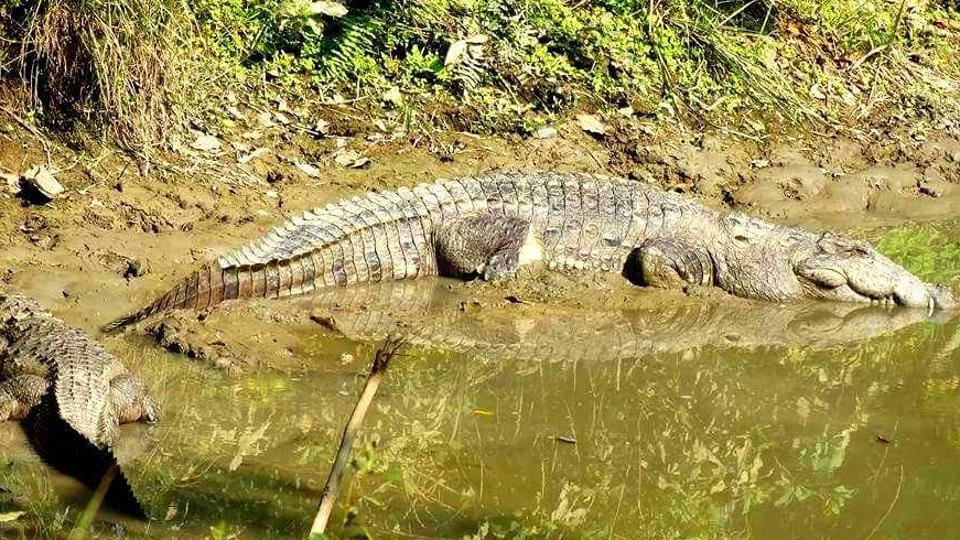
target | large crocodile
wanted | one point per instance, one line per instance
(71, 394)
(487, 226)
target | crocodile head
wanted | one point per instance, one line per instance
(841, 268)
(766, 261)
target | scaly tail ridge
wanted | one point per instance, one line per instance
(211, 285)
(204, 287)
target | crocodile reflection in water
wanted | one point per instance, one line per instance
(429, 315)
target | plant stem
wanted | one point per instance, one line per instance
(381, 361)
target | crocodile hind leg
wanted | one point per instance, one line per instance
(489, 246)
(131, 401)
(669, 264)
(20, 394)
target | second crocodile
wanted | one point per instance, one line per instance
(71, 395)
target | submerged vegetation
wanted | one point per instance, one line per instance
(493, 64)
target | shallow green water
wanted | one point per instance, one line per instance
(678, 421)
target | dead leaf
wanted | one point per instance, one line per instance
(247, 446)
(591, 124)
(310, 170)
(346, 158)
(816, 92)
(360, 163)
(283, 106)
(282, 118)
(456, 50)
(266, 120)
(546, 132)
(246, 158)
(205, 143)
(321, 126)
(477, 39)
(393, 97)
(330, 9)
(12, 182)
(252, 134)
(235, 112)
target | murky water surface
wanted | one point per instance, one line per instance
(680, 420)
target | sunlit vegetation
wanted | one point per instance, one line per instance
(930, 251)
(492, 64)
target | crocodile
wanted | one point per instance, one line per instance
(487, 226)
(71, 395)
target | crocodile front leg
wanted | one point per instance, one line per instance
(20, 394)
(669, 264)
(488, 246)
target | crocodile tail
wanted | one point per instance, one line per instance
(212, 284)
(69, 452)
(201, 289)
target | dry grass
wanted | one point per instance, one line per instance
(117, 64)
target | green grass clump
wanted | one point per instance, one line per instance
(795, 61)
(929, 251)
(118, 64)
(495, 64)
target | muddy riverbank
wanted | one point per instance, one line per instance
(555, 405)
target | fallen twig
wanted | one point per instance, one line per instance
(381, 361)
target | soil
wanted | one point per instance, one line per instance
(124, 231)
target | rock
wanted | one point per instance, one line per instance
(39, 185)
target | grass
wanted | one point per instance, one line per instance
(115, 65)
(724, 62)
(493, 65)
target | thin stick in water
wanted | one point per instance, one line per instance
(381, 361)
